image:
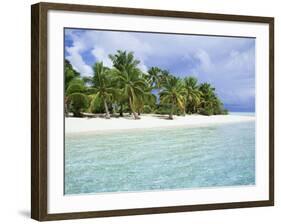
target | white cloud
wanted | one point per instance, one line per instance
(101, 44)
(243, 60)
(76, 59)
(101, 56)
(78, 63)
(205, 60)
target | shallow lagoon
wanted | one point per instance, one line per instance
(153, 159)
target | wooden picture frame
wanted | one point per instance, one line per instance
(39, 110)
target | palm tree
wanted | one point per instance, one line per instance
(193, 94)
(208, 92)
(146, 100)
(72, 84)
(119, 98)
(70, 74)
(76, 98)
(123, 60)
(133, 87)
(173, 94)
(210, 104)
(126, 87)
(164, 77)
(101, 85)
(77, 103)
(129, 77)
(154, 75)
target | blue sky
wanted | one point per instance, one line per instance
(228, 63)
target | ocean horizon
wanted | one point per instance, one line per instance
(243, 113)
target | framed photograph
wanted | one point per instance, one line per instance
(141, 111)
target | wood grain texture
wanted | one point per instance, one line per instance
(39, 121)
(34, 113)
(38, 112)
(271, 111)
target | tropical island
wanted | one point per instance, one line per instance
(124, 90)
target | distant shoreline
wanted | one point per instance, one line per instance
(83, 125)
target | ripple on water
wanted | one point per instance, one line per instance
(175, 158)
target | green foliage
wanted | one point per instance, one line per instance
(124, 60)
(96, 104)
(154, 77)
(206, 111)
(147, 109)
(75, 87)
(130, 80)
(69, 73)
(193, 95)
(173, 94)
(73, 84)
(210, 103)
(162, 109)
(78, 102)
(225, 111)
(102, 85)
(125, 88)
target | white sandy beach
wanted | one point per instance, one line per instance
(79, 125)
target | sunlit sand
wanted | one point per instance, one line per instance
(78, 125)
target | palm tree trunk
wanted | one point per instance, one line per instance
(65, 111)
(130, 111)
(121, 110)
(65, 107)
(171, 112)
(134, 113)
(113, 109)
(107, 116)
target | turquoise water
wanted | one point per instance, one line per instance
(153, 159)
(243, 113)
